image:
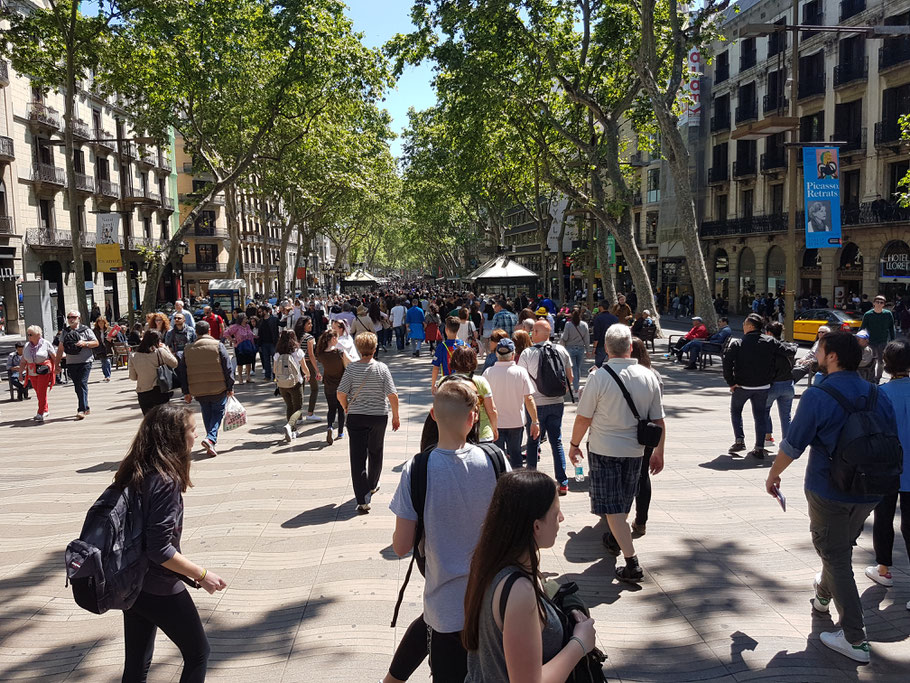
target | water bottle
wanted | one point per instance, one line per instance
(579, 472)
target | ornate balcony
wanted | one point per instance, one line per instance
(720, 122)
(855, 139)
(167, 204)
(41, 116)
(45, 175)
(128, 150)
(153, 197)
(775, 102)
(773, 161)
(84, 183)
(877, 212)
(204, 267)
(746, 111)
(133, 195)
(812, 85)
(107, 190)
(41, 237)
(164, 163)
(6, 225)
(147, 157)
(718, 174)
(887, 133)
(743, 168)
(850, 72)
(136, 242)
(895, 51)
(103, 141)
(209, 231)
(81, 130)
(7, 149)
(745, 226)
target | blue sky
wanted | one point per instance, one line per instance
(379, 20)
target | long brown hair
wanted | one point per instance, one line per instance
(522, 341)
(640, 352)
(159, 446)
(324, 340)
(507, 536)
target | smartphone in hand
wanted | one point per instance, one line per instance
(780, 498)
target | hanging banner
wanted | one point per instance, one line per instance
(821, 173)
(107, 243)
(690, 92)
(611, 245)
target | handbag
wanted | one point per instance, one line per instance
(166, 378)
(649, 434)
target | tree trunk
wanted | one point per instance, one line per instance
(283, 260)
(591, 261)
(603, 256)
(561, 255)
(233, 228)
(72, 196)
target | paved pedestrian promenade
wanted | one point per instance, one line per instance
(311, 585)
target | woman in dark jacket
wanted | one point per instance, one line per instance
(105, 350)
(158, 465)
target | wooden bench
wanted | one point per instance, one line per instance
(709, 350)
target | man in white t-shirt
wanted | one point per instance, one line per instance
(614, 454)
(397, 314)
(512, 393)
(549, 408)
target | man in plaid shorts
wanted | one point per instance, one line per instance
(614, 454)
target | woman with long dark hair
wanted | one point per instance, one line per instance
(143, 366)
(526, 644)
(290, 362)
(333, 363)
(158, 465)
(105, 349)
(304, 331)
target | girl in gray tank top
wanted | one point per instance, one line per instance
(523, 517)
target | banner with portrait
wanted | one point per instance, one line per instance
(107, 243)
(821, 180)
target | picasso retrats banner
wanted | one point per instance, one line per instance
(821, 179)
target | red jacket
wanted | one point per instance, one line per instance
(697, 332)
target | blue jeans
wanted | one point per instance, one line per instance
(212, 414)
(399, 337)
(693, 348)
(415, 345)
(783, 393)
(79, 372)
(758, 398)
(510, 442)
(577, 354)
(266, 352)
(550, 417)
(106, 367)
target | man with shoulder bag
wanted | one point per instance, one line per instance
(855, 458)
(622, 407)
(77, 342)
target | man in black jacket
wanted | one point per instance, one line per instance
(749, 365)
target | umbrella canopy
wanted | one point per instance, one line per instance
(502, 271)
(360, 276)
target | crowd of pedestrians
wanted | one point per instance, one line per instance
(476, 505)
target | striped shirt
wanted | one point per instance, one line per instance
(377, 384)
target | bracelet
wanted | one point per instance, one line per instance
(204, 572)
(584, 650)
(574, 445)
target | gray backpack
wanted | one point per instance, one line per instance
(287, 372)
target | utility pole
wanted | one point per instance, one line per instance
(791, 271)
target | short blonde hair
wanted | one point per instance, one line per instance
(365, 343)
(35, 329)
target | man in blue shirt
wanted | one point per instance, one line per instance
(835, 518)
(504, 319)
(601, 324)
(694, 347)
(414, 319)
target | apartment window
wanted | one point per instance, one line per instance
(102, 170)
(722, 67)
(721, 118)
(747, 104)
(746, 54)
(777, 198)
(206, 253)
(147, 226)
(748, 202)
(654, 185)
(199, 186)
(848, 122)
(205, 223)
(777, 41)
(812, 75)
(850, 8)
(80, 217)
(776, 98)
(45, 152)
(96, 120)
(812, 127)
(720, 207)
(165, 229)
(812, 15)
(78, 161)
(850, 189)
(144, 183)
(896, 176)
(746, 153)
(45, 214)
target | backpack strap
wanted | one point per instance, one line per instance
(506, 589)
(839, 397)
(625, 392)
(495, 454)
(419, 468)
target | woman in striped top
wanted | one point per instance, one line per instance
(366, 393)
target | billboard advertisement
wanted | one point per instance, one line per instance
(821, 181)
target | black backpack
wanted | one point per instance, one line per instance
(551, 372)
(419, 500)
(868, 458)
(107, 563)
(70, 338)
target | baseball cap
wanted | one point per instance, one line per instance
(696, 317)
(862, 334)
(505, 347)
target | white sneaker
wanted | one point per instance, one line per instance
(769, 443)
(313, 418)
(288, 434)
(820, 604)
(80, 415)
(209, 447)
(836, 641)
(883, 580)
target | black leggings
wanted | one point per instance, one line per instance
(411, 651)
(883, 526)
(176, 615)
(334, 407)
(643, 497)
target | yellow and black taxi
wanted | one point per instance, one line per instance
(806, 324)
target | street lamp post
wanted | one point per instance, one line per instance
(182, 250)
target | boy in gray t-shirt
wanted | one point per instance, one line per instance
(460, 483)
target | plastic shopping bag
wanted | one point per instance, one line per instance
(234, 415)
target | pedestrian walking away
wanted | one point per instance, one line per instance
(291, 372)
(158, 465)
(333, 361)
(514, 390)
(150, 355)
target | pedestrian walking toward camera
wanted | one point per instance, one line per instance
(512, 631)
(576, 338)
(291, 372)
(897, 365)
(367, 393)
(158, 465)
(854, 459)
(748, 371)
(460, 479)
(77, 343)
(415, 321)
(244, 340)
(550, 367)
(880, 324)
(205, 372)
(623, 409)
(181, 334)
(38, 367)
(104, 352)
(143, 366)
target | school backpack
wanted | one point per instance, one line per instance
(106, 565)
(419, 500)
(287, 372)
(868, 458)
(551, 372)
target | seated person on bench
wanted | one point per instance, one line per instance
(694, 347)
(12, 369)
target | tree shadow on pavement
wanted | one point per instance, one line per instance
(324, 514)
